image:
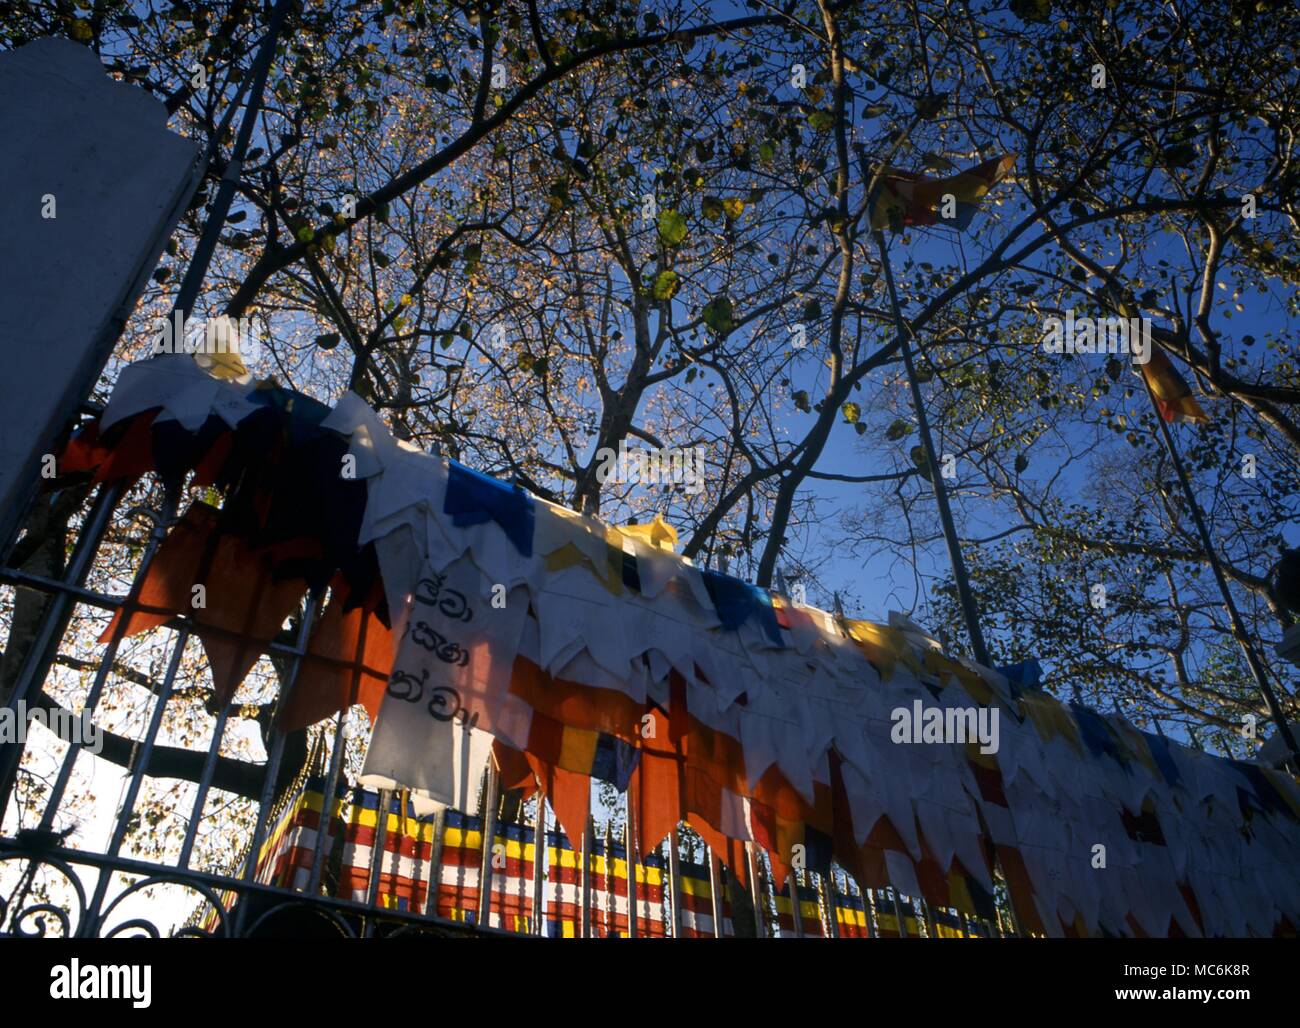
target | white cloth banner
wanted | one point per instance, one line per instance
(449, 693)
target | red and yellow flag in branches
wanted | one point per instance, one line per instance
(1174, 397)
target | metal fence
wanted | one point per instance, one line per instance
(161, 833)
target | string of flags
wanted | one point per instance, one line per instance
(424, 864)
(476, 622)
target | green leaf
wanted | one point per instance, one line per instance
(1022, 462)
(327, 340)
(666, 285)
(711, 208)
(801, 401)
(718, 315)
(812, 310)
(852, 412)
(381, 259)
(898, 429)
(672, 228)
(733, 207)
(821, 121)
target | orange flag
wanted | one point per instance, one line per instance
(1174, 397)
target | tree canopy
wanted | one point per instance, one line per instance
(528, 233)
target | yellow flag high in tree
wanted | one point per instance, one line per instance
(902, 199)
(1173, 396)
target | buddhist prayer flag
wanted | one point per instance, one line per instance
(850, 915)
(1174, 397)
(887, 917)
(697, 904)
(650, 922)
(564, 906)
(948, 925)
(458, 870)
(609, 889)
(348, 853)
(903, 199)
(810, 912)
(513, 854)
(448, 687)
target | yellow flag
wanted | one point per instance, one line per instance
(658, 533)
(226, 365)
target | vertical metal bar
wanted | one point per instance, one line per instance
(491, 793)
(435, 863)
(868, 912)
(715, 890)
(157, 533)
(198, 266)
(275, 756)
(328, 798)
(755, 891)
(587, 839)
(539, 855)
(137, 772)
(382, 802)
(828, 890)
(204, 785)
(898, 912)
(675, 882)
(52, 626)
(936, 479)
(632, 865)
(796, 912)
(930, 927)
(611, 900)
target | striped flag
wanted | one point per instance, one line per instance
(608, 890)
(513, 854)
(458, 871)
(887, 919)
(810, 912)
(948, 925)
(850, 915)
(405, 860)
(650, 920)
(697, 904)
(348, 852)
(564, 910)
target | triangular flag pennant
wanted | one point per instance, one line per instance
(658, 533)
(901, 199)
(1174, 397)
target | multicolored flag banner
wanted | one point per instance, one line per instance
(887, 917)
(810, 912)
(902, 199)
(1173, 395)
(697, 904)
(564, 904)
(513, 854)
(850, 915)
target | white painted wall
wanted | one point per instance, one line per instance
(120, 181)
